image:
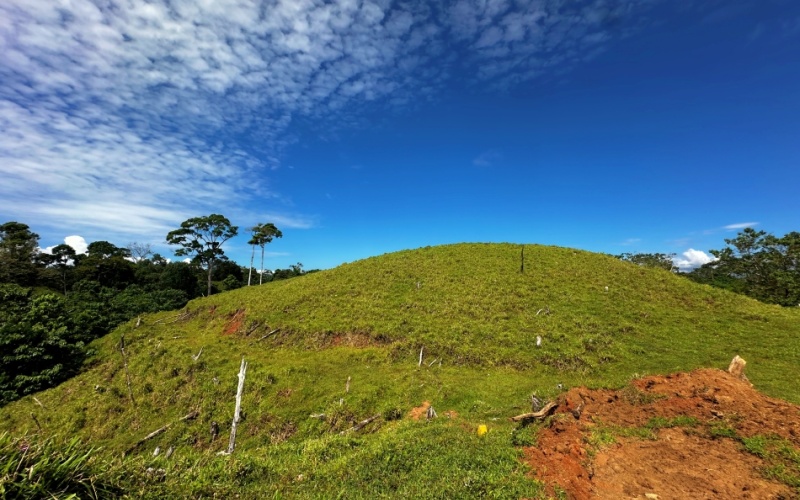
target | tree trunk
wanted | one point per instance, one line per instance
(252, 256)
(261, 278)
(210, 272)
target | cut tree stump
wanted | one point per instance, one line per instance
(736, 368)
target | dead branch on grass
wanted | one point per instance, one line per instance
(189, 416)
(547, 410)
(362, 424)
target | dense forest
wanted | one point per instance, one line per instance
(54, 303)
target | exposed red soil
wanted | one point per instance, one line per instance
(234, 323)
(681, 462)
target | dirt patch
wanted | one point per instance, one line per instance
(352, 339)
(693, 459)
(419, 411)
(234, 323)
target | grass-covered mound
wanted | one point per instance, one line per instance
(475, 317)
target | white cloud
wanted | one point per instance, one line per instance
(630, 241)
(129, 116)
(692, 259)
(740, 225)
(78, 243)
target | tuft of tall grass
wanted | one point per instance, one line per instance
(48, 469)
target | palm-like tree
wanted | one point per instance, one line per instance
(262, 233)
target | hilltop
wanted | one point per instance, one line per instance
(329, 350)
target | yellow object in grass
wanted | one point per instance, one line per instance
(482, 429)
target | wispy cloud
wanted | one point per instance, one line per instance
(288, 220)
(631, 241)
(740, 225)
(488, 158)
(130, 116)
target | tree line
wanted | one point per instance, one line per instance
(53, 304)
(754, 263)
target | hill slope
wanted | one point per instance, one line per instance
(344, 345)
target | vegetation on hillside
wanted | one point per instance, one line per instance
(459, 327)
(757, 264)
(85, 296)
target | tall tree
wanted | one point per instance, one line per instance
(106, 264)
(253, 242)
(106, 250)
(202, 238)
(139, 251)
(262, 234)
(18, 251)
(62, 257)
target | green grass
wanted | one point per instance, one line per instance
(468, 307)
(34, 468)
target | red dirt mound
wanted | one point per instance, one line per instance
(697, 458)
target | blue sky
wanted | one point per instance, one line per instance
(364, 127)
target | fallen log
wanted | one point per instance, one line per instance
(547, 410)
(189, 416)
(273, 332)
(361, 424)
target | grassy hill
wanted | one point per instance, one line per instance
(467, 307)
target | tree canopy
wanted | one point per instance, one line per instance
(202, 239)
(54, 303)
(757, 264)
(658, 260)
(18, 250)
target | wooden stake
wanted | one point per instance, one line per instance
(238, 411)
(431, 413)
